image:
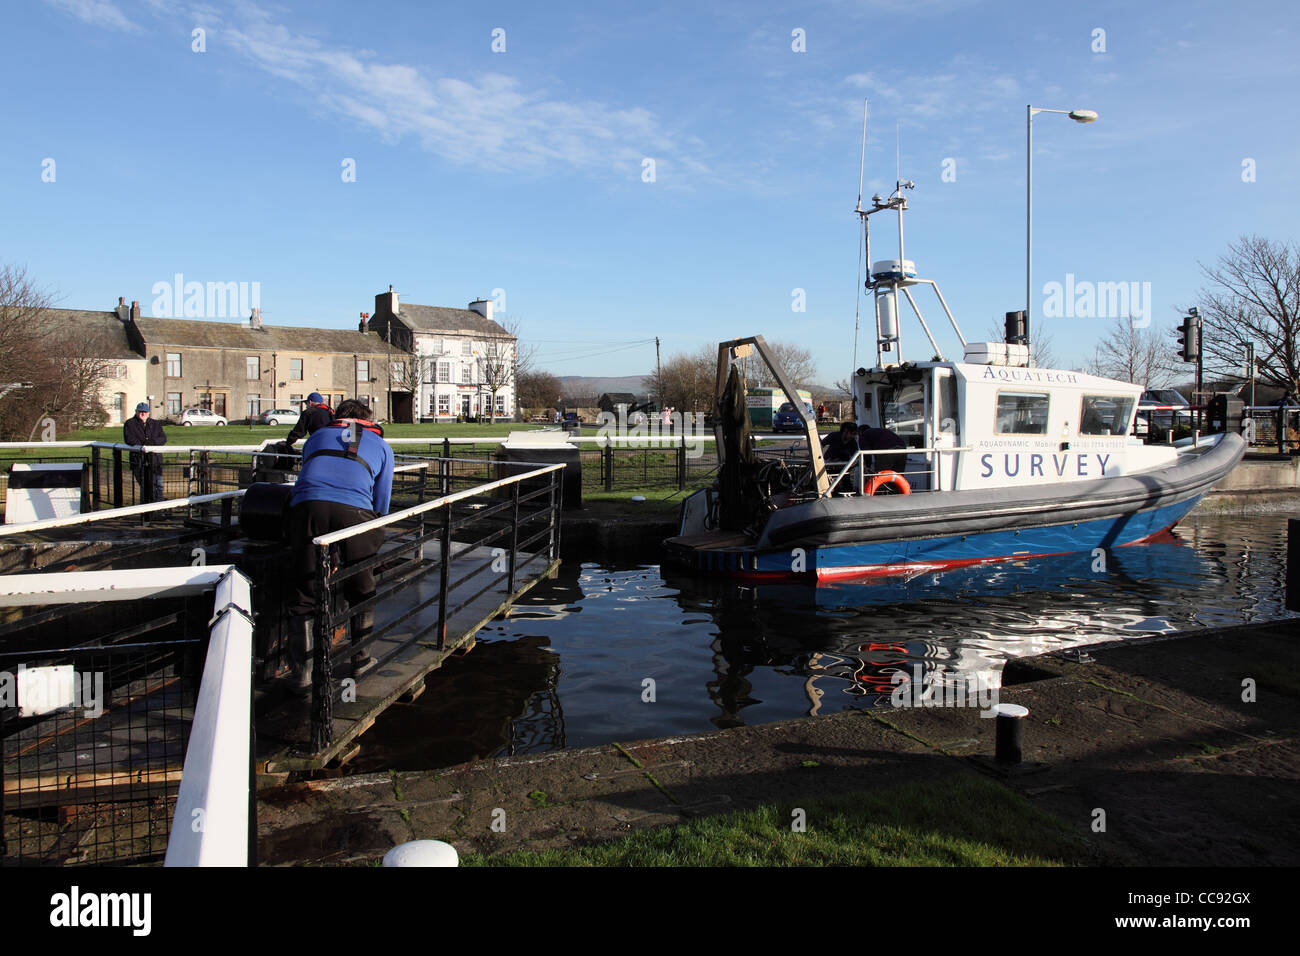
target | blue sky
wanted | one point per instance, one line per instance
(523, 170)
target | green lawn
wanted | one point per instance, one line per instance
(963, 820)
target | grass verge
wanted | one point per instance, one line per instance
(963, 820)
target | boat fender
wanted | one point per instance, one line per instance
(893, 480)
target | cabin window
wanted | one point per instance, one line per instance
(904, 412)
(1022, 413)
(1105, 414)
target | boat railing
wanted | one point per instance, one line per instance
(857, 473)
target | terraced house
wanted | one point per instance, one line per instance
(238, 369)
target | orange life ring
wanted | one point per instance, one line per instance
(901, 487)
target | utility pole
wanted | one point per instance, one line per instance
(659, 379)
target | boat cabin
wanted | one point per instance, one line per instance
(990, 423)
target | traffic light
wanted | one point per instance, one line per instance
(1017, 329)
(1189, 336)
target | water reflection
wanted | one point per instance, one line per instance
(721, 654)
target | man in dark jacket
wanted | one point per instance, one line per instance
(141, 429)
(346, 480)
(316, 414)
(882, 439)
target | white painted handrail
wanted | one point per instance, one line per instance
(336, 536)
(210, 826)
(112, 513)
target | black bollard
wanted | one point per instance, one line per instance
(1010, 729)
(1293, 564)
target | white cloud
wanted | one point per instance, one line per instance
(494, 120)
(99, 13)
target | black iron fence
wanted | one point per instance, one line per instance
(451, 559)
(93, 743)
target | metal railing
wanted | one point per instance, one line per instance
(482, 536)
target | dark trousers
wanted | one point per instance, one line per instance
(309, 519)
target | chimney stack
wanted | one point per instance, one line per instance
(386, 303)
(255, 320)
(123, 314)
(361, 325)
(135, 310)
(483, 307)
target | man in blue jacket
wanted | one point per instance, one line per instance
(346, 480)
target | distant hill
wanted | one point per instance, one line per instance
(596, 385)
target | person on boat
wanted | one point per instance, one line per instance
(841, 445)
(346, 480)
(882, 439)
(316, 414)
(141, 429)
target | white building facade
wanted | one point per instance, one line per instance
(465, 360)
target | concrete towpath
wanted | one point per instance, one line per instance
(1189, 745)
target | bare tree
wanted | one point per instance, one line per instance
(1254, 297)
(537, 390)
(796, 362)
(1142, 356)
(33, 370)
(686, 380)
(497, 366)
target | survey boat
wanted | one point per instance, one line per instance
(994, 459)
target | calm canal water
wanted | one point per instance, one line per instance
(569, 668)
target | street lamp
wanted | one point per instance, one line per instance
(1079, 116)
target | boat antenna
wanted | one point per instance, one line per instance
(862, 165)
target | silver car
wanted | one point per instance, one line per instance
(200, 416)
(278, 416)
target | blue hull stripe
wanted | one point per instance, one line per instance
(1053, 539)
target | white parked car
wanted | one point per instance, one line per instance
(200, 416)
(278, 416)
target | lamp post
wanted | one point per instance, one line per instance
(1079, 116)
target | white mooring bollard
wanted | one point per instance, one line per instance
(422, 853)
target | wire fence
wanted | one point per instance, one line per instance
(93, 744)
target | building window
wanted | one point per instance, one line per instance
(467, 347)
(254, 405)
(429, 371)
(338, 400)
(363, 370)
(295, 370)
(295, 401)
(173, 403)
(119, 403)
(466, 375)
(444, 372)
(254, 366)
(173, 364)
(444, 404)
(501, 404)
(398, 372)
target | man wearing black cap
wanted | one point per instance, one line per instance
(141, 429)
(315, 414)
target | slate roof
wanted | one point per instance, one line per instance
(93, 334)
(435, 318)
(197, 333)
